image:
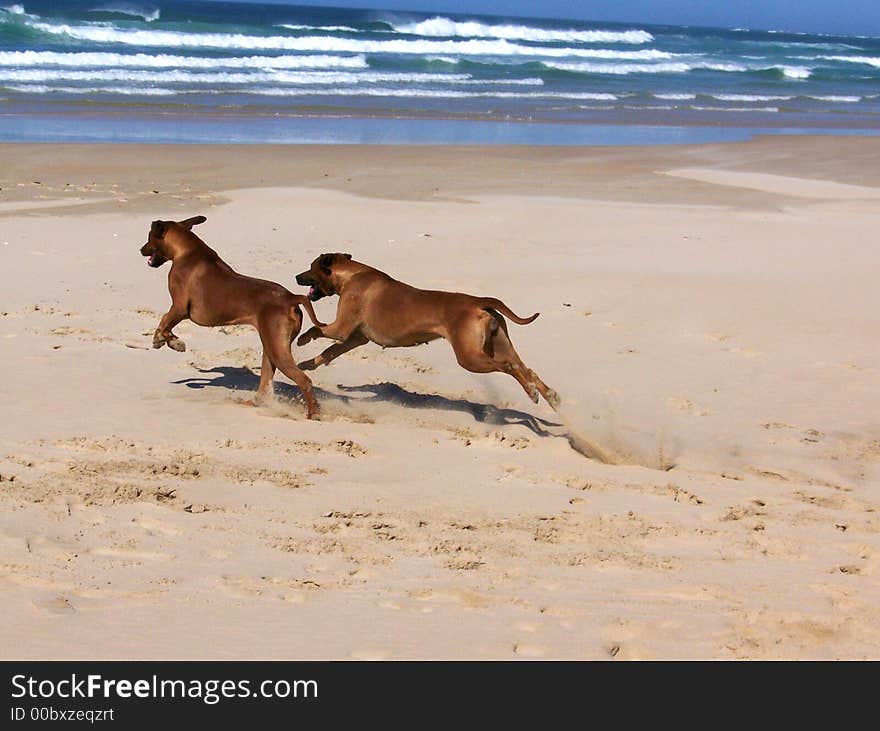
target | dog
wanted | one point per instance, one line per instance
(206, 290)
(373, 307)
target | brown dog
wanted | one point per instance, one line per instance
(206, 290)
(374, 307)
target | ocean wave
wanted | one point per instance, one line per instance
(144, 60)
(326, 28)
(749, 98)
(429, 93)
(278, 77)
(126, 90)
(676, 67)
(865, 60)
(841, 99)
(175, 39)
(735, 109)
(648, 54)
(408, 92)
(16, 14)
(794, 72)
(176, 76)
(129, 10)
(838, 99)
(802, 44)
(448, 28)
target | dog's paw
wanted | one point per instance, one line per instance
(264, 399)
(177, 344)
(553, 399)
(307, 365)
(158, 342)
(311, 334)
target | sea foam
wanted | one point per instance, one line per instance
(174, 39)
(144, 60)
(447, 28)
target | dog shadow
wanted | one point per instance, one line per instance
(244, 379)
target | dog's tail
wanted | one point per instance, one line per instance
(495, 304)
(310, 311)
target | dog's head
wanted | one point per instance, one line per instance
(157, 247)
(319, 276)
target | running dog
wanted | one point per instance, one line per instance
(373, 307)
(206, 290)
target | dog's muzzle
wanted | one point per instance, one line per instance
(315, 292)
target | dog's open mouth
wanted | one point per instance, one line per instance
(155, 260)
(314, 293)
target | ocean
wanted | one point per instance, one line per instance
(91, 70)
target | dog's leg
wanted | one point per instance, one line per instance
(266, 389)
(276, 332)
(163, 334)
(471, 340)
(341, 329)
(549, 394)
(505, 356)
(333, 352)
(338, 330)
(313, 333)
(481, 345)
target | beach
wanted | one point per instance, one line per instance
(709, 317)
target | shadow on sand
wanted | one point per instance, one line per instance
(244, 379)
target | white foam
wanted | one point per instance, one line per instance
(174, 39)
(675, 97)
(15, 10)
(427, 93)
(867, 60)
(748, 98)
(144, 60)
(674, 67)
(372, 91)
(329, 28)
(447, 28)
(277, 77)
(796, 72)
(126, 90)
(837, 99)
(648, 54)
(735, 109)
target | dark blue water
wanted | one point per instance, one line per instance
(230, 71)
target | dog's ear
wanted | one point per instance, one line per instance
(347, 256)
(194, 221)
(157, 229)
(325, 262)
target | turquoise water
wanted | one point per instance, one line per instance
(176, 71)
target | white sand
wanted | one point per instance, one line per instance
(434, 513)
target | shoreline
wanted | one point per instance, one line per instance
(112, 176)
(80, 122)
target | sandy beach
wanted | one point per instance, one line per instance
(709, 316)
